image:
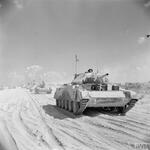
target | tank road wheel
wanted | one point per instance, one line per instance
(66, 104)
(57, 102)
(70, 107)
(61, 103)
(75, 107)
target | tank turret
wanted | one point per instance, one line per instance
(89, 77)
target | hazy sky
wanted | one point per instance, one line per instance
(105, 34)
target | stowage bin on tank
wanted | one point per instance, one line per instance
(90, 89)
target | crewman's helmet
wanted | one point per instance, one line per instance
(90, 70)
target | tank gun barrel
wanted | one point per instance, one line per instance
(102, 76)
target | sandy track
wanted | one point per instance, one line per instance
(96, 130)
(25, 124)
(29, 122)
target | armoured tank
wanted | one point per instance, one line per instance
(90, 89)
(40, 88)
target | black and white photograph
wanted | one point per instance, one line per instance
(74, 74)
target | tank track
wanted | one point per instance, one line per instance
(127, 107)
(131, 104)
(75, 107)
(121, 109)
(83, 105)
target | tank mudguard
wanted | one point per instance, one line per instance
(71, 93)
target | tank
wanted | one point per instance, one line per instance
(40, 88)
(91, 89)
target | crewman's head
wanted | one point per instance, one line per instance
(90, 70)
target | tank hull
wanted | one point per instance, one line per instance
(107, 102)
(42, 90)
(38, 90)
(69, 97)
(107, 99)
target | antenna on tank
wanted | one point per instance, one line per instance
(76, 62)
(97, 70)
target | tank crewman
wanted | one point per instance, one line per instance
(89, 76)
(90, 70)
(89, 73)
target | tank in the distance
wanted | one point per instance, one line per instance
(39, 88)
(91, 89)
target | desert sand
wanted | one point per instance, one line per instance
(33, 122)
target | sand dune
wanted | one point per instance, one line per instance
(33, 122)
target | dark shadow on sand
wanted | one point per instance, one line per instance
(61, 114)
(57, 112)
(92, 112)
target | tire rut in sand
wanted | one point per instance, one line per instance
(52, 140)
